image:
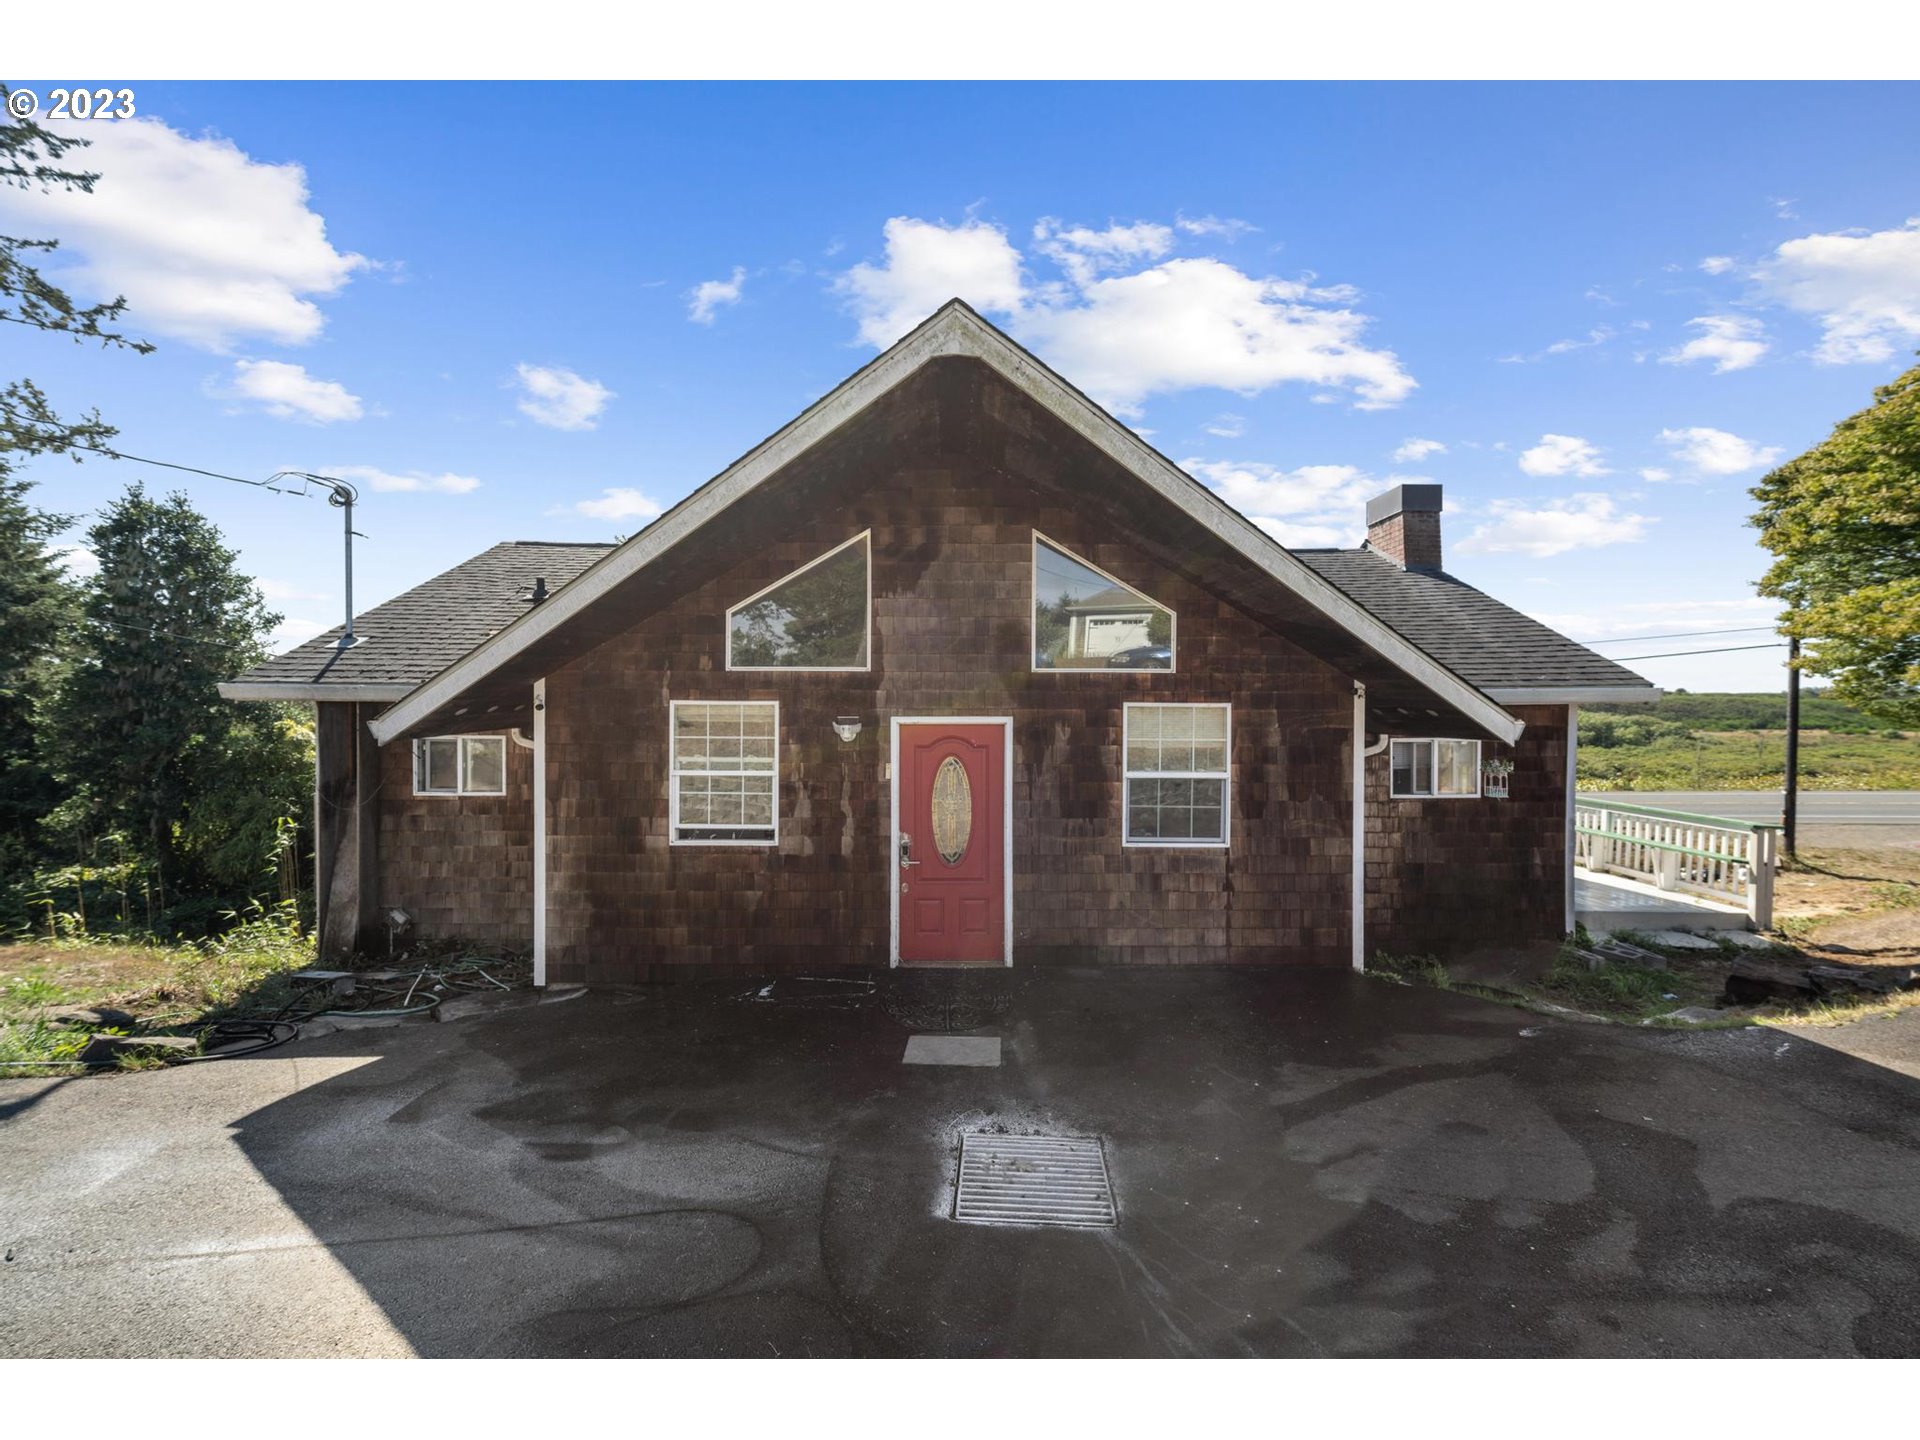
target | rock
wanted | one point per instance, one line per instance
(1756, 982)
(90, 1017)
(1681, 940)
(107, 1049)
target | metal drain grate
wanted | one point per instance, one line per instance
(1032, 1180)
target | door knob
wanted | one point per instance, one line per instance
(906, 850)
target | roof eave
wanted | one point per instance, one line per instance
(1574, 694)
(953, 330)
(338, 690)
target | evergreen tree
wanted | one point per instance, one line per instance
(1844, 521)
(37, 612)
(139, 721)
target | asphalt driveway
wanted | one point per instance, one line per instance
(1305, 1165)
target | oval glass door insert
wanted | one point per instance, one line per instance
(952, 810)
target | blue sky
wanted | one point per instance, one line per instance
(1594, 312)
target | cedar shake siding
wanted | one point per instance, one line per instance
(1443, 874)
(461, 865)
(952, 503)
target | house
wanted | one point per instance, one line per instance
(810, 717)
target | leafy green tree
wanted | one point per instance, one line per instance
(139, 721)
(1843, 521)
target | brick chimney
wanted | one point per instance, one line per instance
(1404, 525)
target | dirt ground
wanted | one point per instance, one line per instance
(1861, 905)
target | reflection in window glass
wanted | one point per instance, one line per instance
(725, 772)
(1176, 774)
(442, 767)
(486, 766)
(815, 619)
(1084, 620)
(1423, 768)
(460, 765)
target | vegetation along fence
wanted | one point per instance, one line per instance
(1730, 861)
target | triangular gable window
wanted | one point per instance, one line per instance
(1084, 619)
(817, 618)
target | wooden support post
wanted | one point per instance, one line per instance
(345, 828)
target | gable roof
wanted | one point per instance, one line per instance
(953, 330)
(1511, 656)
(415, 636)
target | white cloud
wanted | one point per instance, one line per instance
(208, 245)
(291, 632)
(409, 482)
(1717, 264)
(289, 392)
(620, 503)
(559, 398)
(1656, 476)
(1577, 522)
(1731, 342)
(1563, 455)
(709, 295)
(1717, 452)
(78, 561)
(1863, 288)
(927, 265)
(1599, 335)
(1174, 325)
(281, 590)
(1227, 229)
(1412, 451)
(1313, 505)
(1227, 427)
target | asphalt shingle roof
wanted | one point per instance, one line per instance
(1488, 644)
(416, 635)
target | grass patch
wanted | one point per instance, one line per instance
(166, 986)
(1747, 760)
(1827, 1014)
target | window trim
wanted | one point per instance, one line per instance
(1433, 766)
(1033, 614)
(764, 591)
(1127, 840)
(460, 791)
(674, 772)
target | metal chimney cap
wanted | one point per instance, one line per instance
(1401, 499)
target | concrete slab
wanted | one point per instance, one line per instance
(952, 1050)
(1308, 1164)
(1680, 940)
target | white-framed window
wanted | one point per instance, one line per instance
(818, 618)
(725, 772)
(1178, 786)
(1435, 769)
(1085, 619)
(460, 765)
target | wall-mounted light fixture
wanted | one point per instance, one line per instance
(847, 727)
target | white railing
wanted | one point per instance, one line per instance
(1731, 861)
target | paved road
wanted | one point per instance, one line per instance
(1305, 1165)
(1817, 807)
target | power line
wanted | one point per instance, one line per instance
(1722, 650)
(1675, 635)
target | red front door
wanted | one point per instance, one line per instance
(950, 844)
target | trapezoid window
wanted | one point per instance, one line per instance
(1084, 619)
(817, 618)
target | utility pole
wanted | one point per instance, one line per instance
(1790, 797)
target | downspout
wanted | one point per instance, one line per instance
(1572, 818)
(1359, 926)
(540, 833)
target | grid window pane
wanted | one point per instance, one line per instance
(725, 764)
(1177, 773)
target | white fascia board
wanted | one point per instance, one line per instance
(245, 690)
(954, 330)
(1574, 694)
